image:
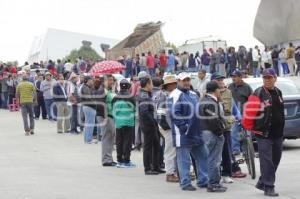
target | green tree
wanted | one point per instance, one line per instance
(85, 51)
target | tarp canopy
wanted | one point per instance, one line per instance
(277, 21)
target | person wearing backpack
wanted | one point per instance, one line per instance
(264, 116)
(124, 116)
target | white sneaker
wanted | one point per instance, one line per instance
(227, 180)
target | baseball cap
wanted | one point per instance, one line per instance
(237, 73)
(124, 84)
(217, 75)
(269, 72)
(183, 76)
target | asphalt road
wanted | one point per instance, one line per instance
(52, 166)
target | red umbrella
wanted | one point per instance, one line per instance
(106, 67)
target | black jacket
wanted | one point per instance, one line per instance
(212, 116)
(99, 99)
(87, 96)
(60, 93)
(38, 89)
(270, 120)
(240, 94)
(146, 110)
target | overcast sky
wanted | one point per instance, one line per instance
(22, 20)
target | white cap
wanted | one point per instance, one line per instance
(183, 76)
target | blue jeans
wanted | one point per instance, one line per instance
(214, 145)
(193, 69)
(199, 153)
(143, 68)
(256, 72)
(235, 142)
(280, 69)
(128, 73)
(4, 99)
(89, 123)
(151, 71)
(48, 104)
(170, 69)
(206, 68)
(217, 67)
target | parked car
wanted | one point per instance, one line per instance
(291, 98)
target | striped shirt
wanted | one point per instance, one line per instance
(25, 90)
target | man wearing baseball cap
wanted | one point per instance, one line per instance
(268, 127)
(240, 92)
(124, 116)
(187, 137)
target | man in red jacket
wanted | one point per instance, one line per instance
(162, 61)
(150, 64)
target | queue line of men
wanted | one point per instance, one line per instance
(205, 140)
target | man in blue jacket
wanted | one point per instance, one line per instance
(186, 133)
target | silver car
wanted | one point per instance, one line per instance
(291, 97)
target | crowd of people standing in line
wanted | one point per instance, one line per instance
(153, 110)
(285, 62)
(253, 61)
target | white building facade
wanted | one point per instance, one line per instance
(57, 44)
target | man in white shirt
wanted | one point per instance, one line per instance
(266, 58)
(201, 86)
(255, 56)
(68, 66)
